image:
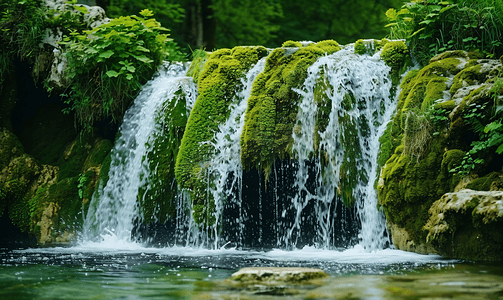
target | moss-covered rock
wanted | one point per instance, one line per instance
(291, 44)
(412, 181)
(467, 225)
(218, 84)
(273, 105)
(395, 54)
(46, 200)
(199, 58)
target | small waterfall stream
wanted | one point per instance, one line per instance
(358, 91)
(114, 206)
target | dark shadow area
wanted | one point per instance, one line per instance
(260, 215)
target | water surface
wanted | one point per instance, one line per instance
(130, 271)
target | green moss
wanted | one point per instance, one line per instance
(324, 105)
(450, 54)
(360, 47)
(291, 44)
(434, 91)
(87, 149)
(484, 183)
(217, 87)
(15, 200)
(329, 46)
(273, 105)
(447, 105)
(410, 186)
(98, 153)
(468, 76)
(350, 174)
(199, 57)
(396, 55)
(10, 147)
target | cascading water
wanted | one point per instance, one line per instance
(303, 204)
(114, 205)
(358, 90)
(224, 168)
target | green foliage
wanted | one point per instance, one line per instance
(171, 12)
(246, 22)
(490, 136)
(435, 26)
(21, 31)
(109, 64)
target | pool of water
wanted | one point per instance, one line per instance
(130, 271)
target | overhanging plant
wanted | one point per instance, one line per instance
(109, 64)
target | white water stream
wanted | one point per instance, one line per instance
(364, 77)
(114, 207)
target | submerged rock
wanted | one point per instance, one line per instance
(272, 275)
(276, 281)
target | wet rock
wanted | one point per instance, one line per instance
(276, 281)
(467, 224)
(272, 275)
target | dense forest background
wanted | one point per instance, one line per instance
(212, 24)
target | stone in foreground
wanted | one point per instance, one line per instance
(276, 274)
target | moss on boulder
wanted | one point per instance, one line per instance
(218, 83)
(273, 105)
(412, 182)
(467, 225)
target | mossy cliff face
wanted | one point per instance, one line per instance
(218, 84)
(428, 138)
(47, 177)
(273, 105)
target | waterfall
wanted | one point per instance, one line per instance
(345, 104)
(357, 89)
(114, 205)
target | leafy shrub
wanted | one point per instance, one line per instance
(21, 31)
(109, 64)
(435, 26)
(490, 134)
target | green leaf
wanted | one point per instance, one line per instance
(143, 58)
(106, 54)
(141, 48)
(112, 73)
(146, 13)
(418, 31)
(129, 76)
(500, 149)
(82, 9)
